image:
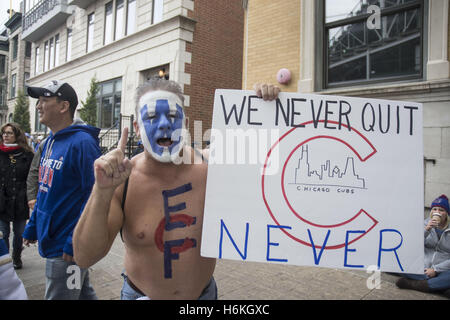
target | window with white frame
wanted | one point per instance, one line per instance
(46, 56)
(131, 17)
(69, 45)
(39, 127)
(90, 32)
(36, 60)
(157, 11)
(51, 53)
(57, 47)
(109, 101)
(372, 41)
(108, 23)
(12, 93)
(120, 20)
(26, 76)
(29, 4)
(118, 33)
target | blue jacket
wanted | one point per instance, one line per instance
(66, 177)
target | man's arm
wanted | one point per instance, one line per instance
(102, 216)
(97, 228)
(33, 176)
(85, 154)
(30, 234)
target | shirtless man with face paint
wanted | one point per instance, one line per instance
(160, 214)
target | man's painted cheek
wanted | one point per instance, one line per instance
(150, 129)
(177, 126)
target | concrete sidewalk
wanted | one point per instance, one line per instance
(238, 280)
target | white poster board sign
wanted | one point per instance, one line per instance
(315, 180)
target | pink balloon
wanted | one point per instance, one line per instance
(283, 76)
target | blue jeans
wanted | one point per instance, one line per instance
(67, 281)
(128, 293)
(18, 228)
(439, 283)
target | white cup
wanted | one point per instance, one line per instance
(436, 217)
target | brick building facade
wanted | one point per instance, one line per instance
(123, 42)
(216, 57)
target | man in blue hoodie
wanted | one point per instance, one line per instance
(66, 177)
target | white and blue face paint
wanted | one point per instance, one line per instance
(161, 122)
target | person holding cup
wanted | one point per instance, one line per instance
(436, 277)
(438, 215)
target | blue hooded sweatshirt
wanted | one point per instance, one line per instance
(66, 177)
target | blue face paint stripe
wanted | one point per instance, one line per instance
(169, 256)
(179, 190)
(172, 193)
(172, 248)
(178, 125)
(144, 112)
(150, 130)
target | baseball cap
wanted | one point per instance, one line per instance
(55, 88)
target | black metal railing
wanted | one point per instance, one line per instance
(38, 11)
(110, 138)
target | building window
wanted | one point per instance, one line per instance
(28, 49)
(26, 76)
(52, 54)
(39, 127)
(162, 72)
(119, 20)
(15, 47)
(29, 4)
(2, 94)
(69, 45)
(131, 17)
(108, 23)
(109, 100)
(157, 11)
(36, 61)
(90, 32)
(57, 45)
(46, 56)
(359, 51)
(2, 64)
(13, 86)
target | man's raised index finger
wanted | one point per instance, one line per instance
(123, 139)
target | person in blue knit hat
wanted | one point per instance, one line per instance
(436, 277)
